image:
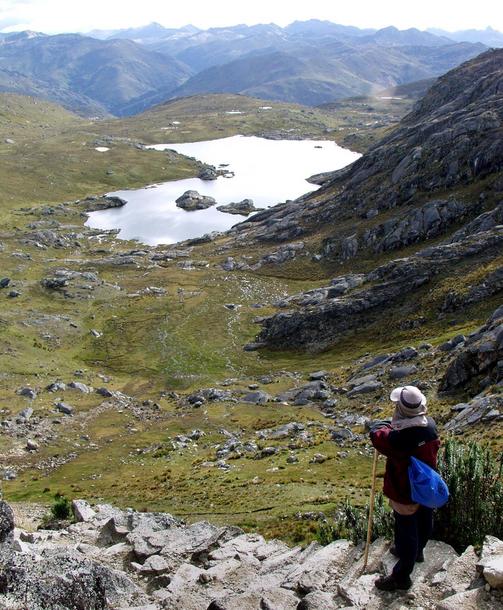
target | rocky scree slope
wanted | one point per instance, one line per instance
(437, 177)
(112, 558)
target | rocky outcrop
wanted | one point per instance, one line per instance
(482, 409)
(419, 224)
(124, 559)
(105, 202)
(318, 326)
(6, 521)
(415, 179)
(191, 201)
(243, 208)
(478, 362)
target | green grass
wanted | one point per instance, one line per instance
(154, 344)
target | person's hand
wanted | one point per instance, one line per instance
(378, 423)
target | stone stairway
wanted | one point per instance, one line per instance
(152, 561)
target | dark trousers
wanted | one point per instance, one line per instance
(411, 535)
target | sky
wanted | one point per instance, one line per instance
(54, 16)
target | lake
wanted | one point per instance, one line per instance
(267, 171)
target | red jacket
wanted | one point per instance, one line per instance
(398, 445)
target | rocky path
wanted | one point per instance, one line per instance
(120, 559)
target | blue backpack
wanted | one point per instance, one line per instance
(426, 486)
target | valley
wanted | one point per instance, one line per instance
(124, 377)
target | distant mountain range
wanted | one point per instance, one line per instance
(123, 72)
(489, 36)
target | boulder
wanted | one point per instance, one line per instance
(365, 388)
(192, 200)
(28, 393)
(474, 599)
(475, 364)
(244, 207)
(491, 561)
(82, 511)
(480, 409)
(258, 397)
(65, 408)
(399, 372)
(64, 578)
(6, 521)
(80, 387)
(209, 172)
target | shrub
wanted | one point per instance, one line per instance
(61, 508)
(351, 522)
(475, 506)
(474, 509)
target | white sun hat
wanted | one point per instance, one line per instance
(411, 399)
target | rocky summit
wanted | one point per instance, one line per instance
(111, 558)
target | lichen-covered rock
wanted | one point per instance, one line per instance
(60, 579)
(244, 207)
(481, 409)
(477, 364)
(192, 200)
(317, 327)
(6, 521)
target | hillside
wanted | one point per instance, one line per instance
(317, 75)
(124, 377)
(426, 192)
(73, 70)
(125, 72)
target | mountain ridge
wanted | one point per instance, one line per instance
(307, 62)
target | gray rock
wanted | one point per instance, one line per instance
(64, 578)
(57, 386)
(259, 397)
(192, 200)
(474, 599)
(268, 451)
(342, 434)
(208, 172)
(6, 522)
(365, 388)
(399, 372)
(318, 600)
(65, 408)
(353, 383)
(31, 445)
(318, 375)
(81, 387)
(28, 393)
(475, 411)
(477, 358)
(82, 511)
(284, 431)
(26, 414)
(407, 353)
(244, 207)
(318, 458)
(491, 561)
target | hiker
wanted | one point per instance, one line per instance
(410, 433)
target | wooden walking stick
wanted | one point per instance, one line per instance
(371, 510)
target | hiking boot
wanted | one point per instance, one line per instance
(419, 558)
(390, 583)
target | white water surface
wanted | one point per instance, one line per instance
(267, 171)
